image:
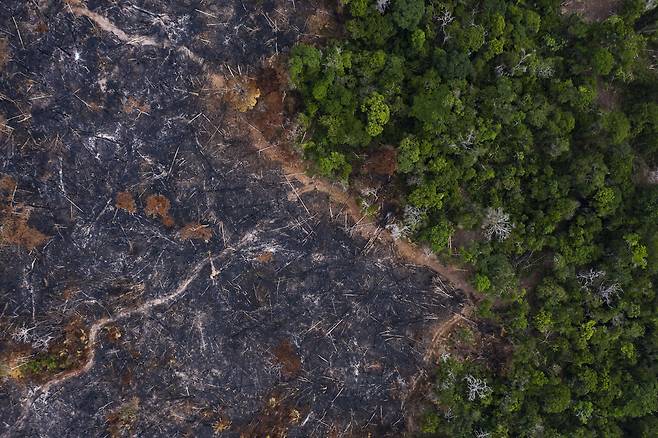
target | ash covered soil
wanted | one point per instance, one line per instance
(158, 275)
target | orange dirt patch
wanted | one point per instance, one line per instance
(286, 356)
(42, 27)
(14, 230)
(131, 105)
(158, 206)
(126, 202)
(268, 115)
(265, 257)
(591, 10)
(7, 186)
(322, 24)
(196, 231)
(14, 227)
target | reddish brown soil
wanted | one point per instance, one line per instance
(5, 53)
(158, 206)
(195, 231)
(126, 202)
(286, 356)
(14, 217)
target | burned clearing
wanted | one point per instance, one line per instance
(158, 275)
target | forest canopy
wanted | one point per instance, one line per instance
(537, 132)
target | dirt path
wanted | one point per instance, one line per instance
(95, 329)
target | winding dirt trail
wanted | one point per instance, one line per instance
(94, 330)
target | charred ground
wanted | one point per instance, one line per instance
(158, 277)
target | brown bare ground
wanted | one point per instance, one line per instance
(286, 356)
(591, 10)
(158, 206)
(195, 231)
(126, 202)
(265, 257)
(14, 217)
(7, 186)
(242, 93)
(381, 162)
(322, 24)
(131, 105)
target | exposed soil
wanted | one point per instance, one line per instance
(158, 206)
(591, 10)
(126, 202)
(169, 268)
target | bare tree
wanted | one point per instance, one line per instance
(382, 5)
(497, 223)
(482, 434)
(411, 220)
(608, 292)
(594, 281)
(588, 278)
(477, 388)
(444, 21)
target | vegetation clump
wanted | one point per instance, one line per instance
(495, 109)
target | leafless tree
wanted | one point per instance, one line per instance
(652, 177)
(521, 65)
(497, 223)
(588, 278)
(382, 5)
(477, 388)
(444, 20)
(608, 292)
(482, 434)
(594, 281)
(411, 220)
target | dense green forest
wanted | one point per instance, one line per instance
(536, 133)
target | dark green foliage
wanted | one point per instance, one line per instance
(505, 125)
